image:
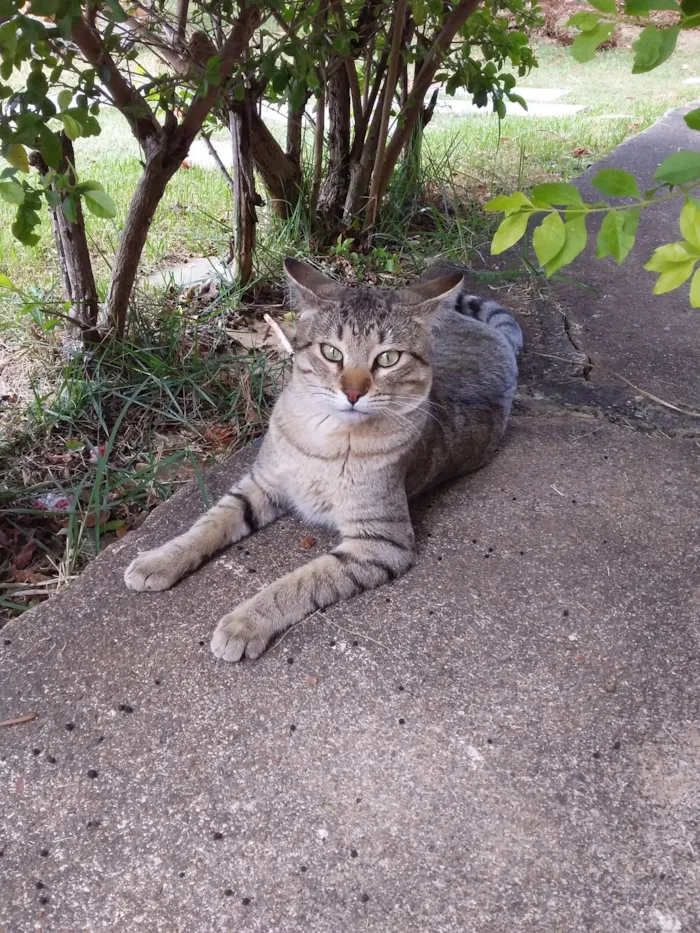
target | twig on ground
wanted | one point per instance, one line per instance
(279, 333)
(683, 411)
(19, 720)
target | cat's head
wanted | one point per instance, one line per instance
(364, 352)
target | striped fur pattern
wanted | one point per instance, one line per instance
(392, 393)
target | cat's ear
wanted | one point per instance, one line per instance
(424, 299)
(310, 290)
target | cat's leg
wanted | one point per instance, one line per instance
(372, 552)
(245, 508)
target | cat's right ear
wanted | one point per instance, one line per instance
(310, 290)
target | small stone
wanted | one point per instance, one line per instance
(245, 901)
(353, 853)
(70, 726)
(364, 898)
(228, 892)
(125, 708)
(44, 853)
(92, 773)
(610, 686)
(217, 836)
(307, 543)
(311, 680)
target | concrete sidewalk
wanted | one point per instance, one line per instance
(506, 740)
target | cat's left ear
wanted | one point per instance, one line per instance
(424, 299)
(310, 290)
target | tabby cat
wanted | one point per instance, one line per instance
(391, 393)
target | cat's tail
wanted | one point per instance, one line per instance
(491, 313)
(484, 310)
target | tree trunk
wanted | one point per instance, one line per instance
(161, 165)
(335, 186)
(319, 142)
(280, 174)
(71, 245)
(245, 197)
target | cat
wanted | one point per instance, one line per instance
(391, 394)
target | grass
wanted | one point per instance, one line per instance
(116, 432)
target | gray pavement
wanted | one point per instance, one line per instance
(506, 740)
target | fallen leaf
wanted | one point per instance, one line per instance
(25, 555)
(580, 151)
(307, 542)
(121, 531)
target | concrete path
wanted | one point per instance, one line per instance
(653, 341)
(507, 740)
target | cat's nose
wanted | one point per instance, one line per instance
(353, 395)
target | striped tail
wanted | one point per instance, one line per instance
(491, 313)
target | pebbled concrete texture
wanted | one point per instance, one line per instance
(504, 740)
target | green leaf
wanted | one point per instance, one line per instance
(44, 7)
(50, 146)
(616, 183)
(549, 238)
(605, 6)
(690, 224)
(12, 192)
(690, 7)
(70, 210)
(16, 155)
(693, 119)
(576, 236)
(557, 192)
(653, 47)
(668, 256)
(674, 277)
(5, 282)
(584, 21)
(510, 203)
(584, 45)
(100, 204)
(117, 14)
(642, 7)
(617, 233)
(679, 168)
(71, 126)
(510, 231)
(64, 98)
(24, 223)
(695, 290)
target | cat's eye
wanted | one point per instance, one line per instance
(388, 358)
(331, 353)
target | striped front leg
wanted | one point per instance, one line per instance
(371, 553)
(248, 506)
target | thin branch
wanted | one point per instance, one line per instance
(217, 158)
(182, 11)
(319, 135)
(411, 111)
(231, 52)
(125, 97)
(391, 81)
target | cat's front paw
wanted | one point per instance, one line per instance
(153, 570)
(238, 634)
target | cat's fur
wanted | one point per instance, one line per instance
(435, 414)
